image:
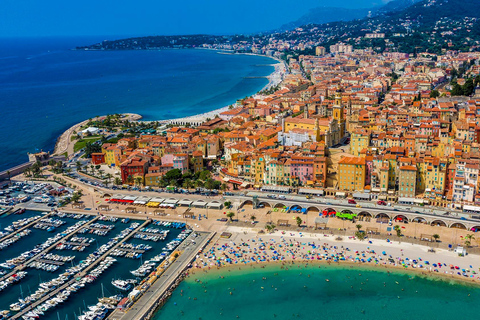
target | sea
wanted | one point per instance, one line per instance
(338, 292)
(46, 87)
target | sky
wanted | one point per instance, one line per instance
(43, 18)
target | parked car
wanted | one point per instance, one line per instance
(381, 203)
(351, 201)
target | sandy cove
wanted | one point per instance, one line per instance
(247, 249)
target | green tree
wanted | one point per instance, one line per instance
(434, 94)
(457, 90)
(76, 197)
(469, 87)
(298, 220)
(358, 226)
(252, 217)
(138, 181)
(360, 235)
(91, 148)
(435, 237)
(227, 204)
(224, 187)
(188, 184)
(117, 181)
(270, 227)
(468, 239)
(108, 178)
(398, 230)
(230, 215)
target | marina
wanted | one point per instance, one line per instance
(43, 280)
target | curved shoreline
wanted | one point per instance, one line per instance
(274, 79)
(302, 263)
(63, 143)
(249, 249)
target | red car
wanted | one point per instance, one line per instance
(381, 203)
(351, 201)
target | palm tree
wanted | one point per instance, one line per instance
(358, 226)
(252, 217)
(199, 184)
(436, 237)
(138, 181)
(230, 215)
(108, 178)
(468, 239)
(398, 230)
(299, 221)
(8, 174)
(117, 181)
(360, 235)
(270, 227)
(223, 187)
(76, 196)
(187, 184)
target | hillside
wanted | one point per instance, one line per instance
(430, 24)
(322, 15)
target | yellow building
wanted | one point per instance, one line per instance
(359, 140)
(351, 173)
(258, 169)
(112, 155)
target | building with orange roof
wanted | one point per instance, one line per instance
(351, 173)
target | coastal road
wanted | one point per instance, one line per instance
(147, 303)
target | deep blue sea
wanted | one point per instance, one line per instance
(45, 87)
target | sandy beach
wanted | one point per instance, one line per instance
(246, 249)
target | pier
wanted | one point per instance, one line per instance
(25, 227)
(132, 250)
(80, 274)
(76, 244)
(153, 234)
(42, 253)
(57, 263)
(148, 303)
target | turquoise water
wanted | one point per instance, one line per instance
(45, 87)
(87, 296)
(303, 293)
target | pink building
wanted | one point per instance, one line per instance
(180, 161)
(167, 159)
(301, 168)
